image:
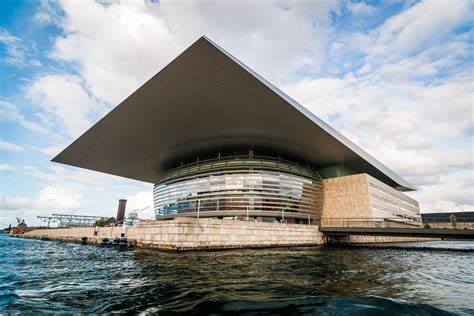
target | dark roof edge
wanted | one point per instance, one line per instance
(404, 185)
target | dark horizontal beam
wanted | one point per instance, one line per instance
(400, 232)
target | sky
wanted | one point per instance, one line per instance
(395, 77)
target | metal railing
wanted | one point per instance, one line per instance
(239, 161)
(395, 222)
(281, 216)
(67, 220)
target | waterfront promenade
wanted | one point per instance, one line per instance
(185, 233)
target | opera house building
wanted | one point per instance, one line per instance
(219, 141)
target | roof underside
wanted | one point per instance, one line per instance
(206, 100)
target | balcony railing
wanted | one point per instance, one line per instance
(395, 222)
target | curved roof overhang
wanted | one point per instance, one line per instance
(207, 99)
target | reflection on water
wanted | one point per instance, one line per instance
(39, 276)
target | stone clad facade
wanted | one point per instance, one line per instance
(207, 233)
(357, 200)
(345, 197)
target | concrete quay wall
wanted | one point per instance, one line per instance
(74, 234)
(354, 239)
(207, 233)
(196, 234)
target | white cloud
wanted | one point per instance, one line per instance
(361, 9)
(141, 202)
(416, 29)
(450, 206)
(288, 37)
(60, 197)
(15, 49)
(405, 116)
(454, 187)
(421, 129)
(68, 190)
(6, 167)
(77, 178)
(65, 101)
(11, 147)
(120, 45)
(50, 199)
(64, 190)
(52, 150)
(431, 64)
(11, 203)
(10, 112)
(117, 46)
(49, 12)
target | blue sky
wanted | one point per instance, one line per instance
(393, 76)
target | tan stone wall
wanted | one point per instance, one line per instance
(362, 199)
(74, 234)
(207, 233)
(193, 233)
(345, 197)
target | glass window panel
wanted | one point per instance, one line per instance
(228, 190)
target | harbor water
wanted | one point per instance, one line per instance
(55, 277)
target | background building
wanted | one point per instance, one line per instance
(449, 220)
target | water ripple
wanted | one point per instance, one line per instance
(53, 277)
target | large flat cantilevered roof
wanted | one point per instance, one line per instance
(206, 99)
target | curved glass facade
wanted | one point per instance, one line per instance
(239, 186)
